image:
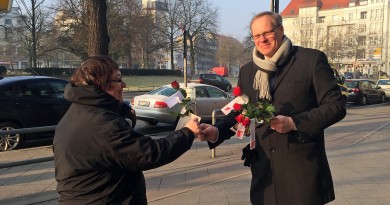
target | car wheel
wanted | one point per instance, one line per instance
(364, 100)
(152, 122)
(383, 99)
(8, 141)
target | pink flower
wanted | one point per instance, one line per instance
(237, 107)
(175, 85)
(237, 91)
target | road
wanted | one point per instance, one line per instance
(339, 135)
(201, 172)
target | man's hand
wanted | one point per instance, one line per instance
(282, 124)
(208, 133)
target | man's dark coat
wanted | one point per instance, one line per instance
(292, 168)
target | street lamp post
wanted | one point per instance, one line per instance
(184, 29)
(274, 6)
(185, 56)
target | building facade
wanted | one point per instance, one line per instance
(12, 54)
(353, 33)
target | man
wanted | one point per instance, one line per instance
(289, 163)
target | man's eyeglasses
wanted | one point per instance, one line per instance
(266, 34)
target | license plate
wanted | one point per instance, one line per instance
(143, 103)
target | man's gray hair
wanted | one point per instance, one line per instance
(276, 18)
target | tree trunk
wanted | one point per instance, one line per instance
(33, 35)
(171, 48)
(192, 54)
(98, 38)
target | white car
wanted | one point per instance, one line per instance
(385, 85)
(152, 107)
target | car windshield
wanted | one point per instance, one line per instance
(195, 77)
(166, 91)
(351, 84)
(384, 82)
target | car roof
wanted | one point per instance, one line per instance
(9, 79)
(191, 85)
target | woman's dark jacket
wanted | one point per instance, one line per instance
(292, 168)
(99, 158)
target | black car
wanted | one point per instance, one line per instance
(30, 101)
(212, 79)
(364, 91)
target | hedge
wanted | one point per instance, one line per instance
(125, 72)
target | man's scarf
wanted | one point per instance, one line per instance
(268, 67)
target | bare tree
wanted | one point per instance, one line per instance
(199, 19)
(169, 27)
(98, 39)
(229, 51)
(36, 28)
(71, 23)
(83, 25)
(122, 17)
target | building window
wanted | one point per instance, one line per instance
(350, 42)
(362, 28)
(363, 15)
(361, 54)
(372, 14)
(321, 19)
(370, 40)
(335, 18)
(351, 16)
(361, 40)
(8, 22)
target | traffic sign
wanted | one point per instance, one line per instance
(5, 5)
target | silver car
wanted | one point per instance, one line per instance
(385, 85)
(152, 107)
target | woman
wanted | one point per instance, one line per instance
(98, 157)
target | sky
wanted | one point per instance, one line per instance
(235, 15)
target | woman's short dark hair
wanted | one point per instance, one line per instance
(95, 70)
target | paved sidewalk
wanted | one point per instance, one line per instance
(360, 172)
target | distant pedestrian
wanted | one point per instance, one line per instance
(98, 157)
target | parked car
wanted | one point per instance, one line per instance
(33, 101)
(385, 85)
(212, 79)
(152, 107)
(364, 91)
(30, 101)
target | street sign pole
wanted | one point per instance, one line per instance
(185, 57)
(275, 6)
